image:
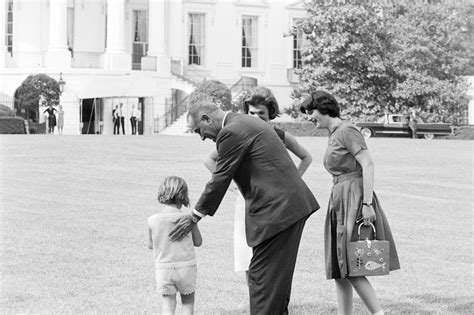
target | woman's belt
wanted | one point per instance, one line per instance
(340, 178)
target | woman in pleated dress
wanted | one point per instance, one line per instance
(352, 200)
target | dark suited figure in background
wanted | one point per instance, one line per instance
(277, 200)
(116, 120)
(122, 118)
(51, 118)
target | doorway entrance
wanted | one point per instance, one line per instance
(92, 116)
(141, 110)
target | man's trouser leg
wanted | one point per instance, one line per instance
(133, 123)
(117, 126)
(271, 271)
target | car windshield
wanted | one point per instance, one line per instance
(398, 119)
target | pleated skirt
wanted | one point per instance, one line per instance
(347, 196)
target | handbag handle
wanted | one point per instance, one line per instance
(373, 228)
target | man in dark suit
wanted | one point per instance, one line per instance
(278, 202)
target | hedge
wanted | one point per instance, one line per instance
(12, 125)
(301, 129)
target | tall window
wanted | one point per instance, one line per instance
(9, 26)
(249, 41)
(140, 38)
(196, 39)
(297, 44)
(105, 29)
(70, 29)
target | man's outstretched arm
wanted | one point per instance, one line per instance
(231, 150)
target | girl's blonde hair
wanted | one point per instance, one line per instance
(173, 191)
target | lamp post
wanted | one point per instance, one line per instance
(61, 82)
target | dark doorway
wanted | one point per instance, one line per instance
(141, 109)
(88, 116)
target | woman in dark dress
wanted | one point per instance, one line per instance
(51, 118)
(352, 199)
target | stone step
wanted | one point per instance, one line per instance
(179, 127)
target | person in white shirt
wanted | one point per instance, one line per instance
(134, 118)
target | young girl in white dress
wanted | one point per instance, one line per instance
(175, 262)
(260, 103)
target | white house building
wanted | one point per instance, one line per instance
(147, 53)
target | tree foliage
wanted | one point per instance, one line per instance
(34, 88)
(215, 91)
(6, 111)
(374, 57)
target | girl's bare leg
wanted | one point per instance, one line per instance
(169, 304)
(188, 303)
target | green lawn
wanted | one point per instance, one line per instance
(74, 210)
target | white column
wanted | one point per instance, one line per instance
(471, 112)
(175, 44)
(116, 56)
(157, 42)
(470, 95)
(58, 55)
(3, 50)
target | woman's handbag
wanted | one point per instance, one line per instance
(368, 257)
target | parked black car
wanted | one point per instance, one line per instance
(397, 125)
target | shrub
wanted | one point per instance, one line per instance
(216, 91)
(12, 125)
(6, 111)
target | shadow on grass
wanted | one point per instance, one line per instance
(429, 304)
(414, 304)
(306, 308)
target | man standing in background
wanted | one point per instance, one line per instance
(133, 119)
(412, 123)
(122, 119)
(116, 120)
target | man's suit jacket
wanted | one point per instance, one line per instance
(251, 153)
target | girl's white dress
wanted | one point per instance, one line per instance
(242, 252)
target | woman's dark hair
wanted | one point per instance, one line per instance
(324, 102)
(260, 95)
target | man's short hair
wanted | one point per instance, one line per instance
(204, 105)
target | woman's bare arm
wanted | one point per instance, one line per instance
(365, 161)
(297, 149)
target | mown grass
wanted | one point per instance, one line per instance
(74, 209)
